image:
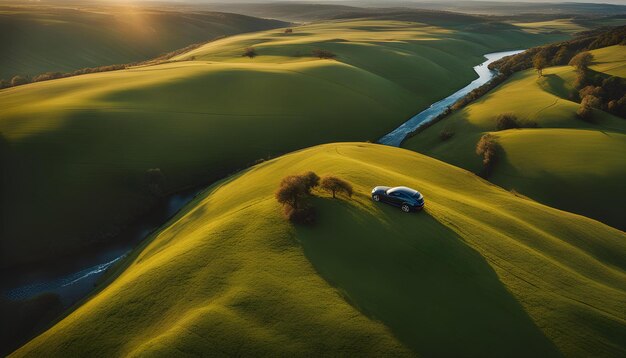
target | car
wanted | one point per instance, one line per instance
(405, 198)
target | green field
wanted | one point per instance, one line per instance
(481, 272)
(75, 162)
(567, 163)
(39, 38)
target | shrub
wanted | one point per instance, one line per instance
(48, 76)
(250, 52)
(585, 113)
(310, 180)
(581, 61)
(506, 121)
(591, 101)
(335, 186)
(323, 54)
(291, 191)
(19, 80)
(288, 31)
(540, 62)
(305, 215)
(446, 134)
(4, 84)
(487, 148)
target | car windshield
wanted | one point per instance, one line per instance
(402, 190)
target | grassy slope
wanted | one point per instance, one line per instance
(481, 272)
(36, 39)
(568, 163)
(75, 162)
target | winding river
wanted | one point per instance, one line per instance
(73, 281)
(395, 137)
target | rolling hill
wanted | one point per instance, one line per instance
(567, 163)
(37, 38)
(77, 163)
(481, 272)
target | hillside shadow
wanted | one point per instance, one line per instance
(438, 295)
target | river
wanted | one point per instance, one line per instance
(395, 137)
(74, 280)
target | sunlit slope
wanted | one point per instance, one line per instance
(77, 149)
(481, 272)
(610, 60)
(579, 169)
(36, 39)
(83, 151)
(432, 61)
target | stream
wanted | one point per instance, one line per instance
(74, 280)
(395, 137)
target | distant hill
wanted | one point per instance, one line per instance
(41, 38)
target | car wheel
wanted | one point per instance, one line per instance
(405, 208)
(376, 197)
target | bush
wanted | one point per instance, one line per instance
(4, 84)
(591, 101)
(323, 54)
(305, 215)
(581, 61)
(585, 113)
(487, 147)
(335, 186)
(291, 191)
(250, 52)
(18, 81)
(48, 76)
(446, 134)
(289, 31)
(506, 121)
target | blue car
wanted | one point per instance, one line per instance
(406, 198)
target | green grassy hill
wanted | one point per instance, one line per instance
(39, 38)
(481, 272)
(76, 162)
(567, 163)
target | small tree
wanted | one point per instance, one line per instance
(250, 52)
(591, 101)
(310, 180)
(506, 121)
(4, 84)
(487, 147)
(585, 113)
(335, 185)
(321, 53)
(581, 61)
(18, 80)
(291, 191)
(540, 62)
(289, 31)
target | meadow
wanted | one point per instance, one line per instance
(76, 163)
(567, 163)
(481, 271)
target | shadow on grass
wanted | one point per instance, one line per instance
(438, 295)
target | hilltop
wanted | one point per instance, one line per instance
(480, 272)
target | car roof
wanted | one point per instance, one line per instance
(403, 190)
